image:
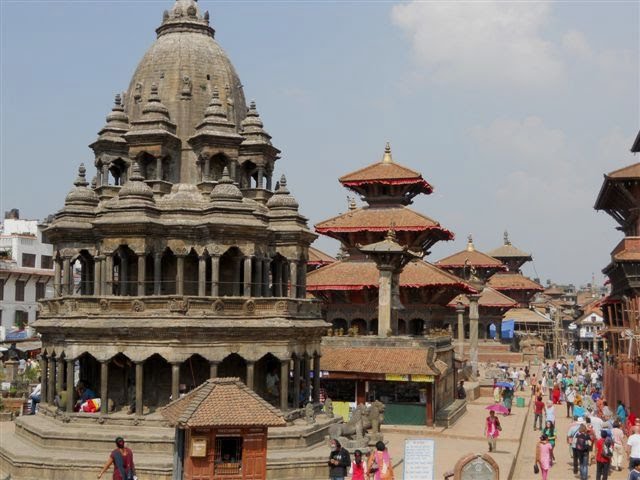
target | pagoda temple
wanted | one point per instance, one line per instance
(349, 290)
(191, 266)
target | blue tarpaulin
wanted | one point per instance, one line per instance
(508, 327)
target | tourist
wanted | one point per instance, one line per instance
(521, 378)
(358, 469)
(122, 460)
(635, 472)
(633, 446)
(538, 410)
(570, 397)
(544, 456)
(604, 452)
(606, 411)
(621, 412)
(581, 451)
(507, 398)
(618, 446)
(380, 463)
(35, 396)
(339, 461)
(497, 393)
(550, 413)
(572, 431)
(550, 432)
(492, 430)
(555, 394)
(578, 408)
(461, 393)
(84, 394)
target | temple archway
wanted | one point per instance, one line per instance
(231, 272)
(169, 269)
(361, 324)
(402, 327)
(125, 271)
(233, 366)
(340, 323)
(88, 372)
(122, 381)
(191, 273)
(194, 371)
(156, 381)
(416, 326)
(267, 369)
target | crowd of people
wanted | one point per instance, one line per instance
(377, 466)
(598, 434)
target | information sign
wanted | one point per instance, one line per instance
(419, 455)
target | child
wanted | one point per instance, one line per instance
(358, 469)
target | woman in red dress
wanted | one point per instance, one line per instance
(122, 460)
(555, 395)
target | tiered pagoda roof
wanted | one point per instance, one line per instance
(461, 262)
(620, 197)
(509, 281)
(489, 299)
(511, 256)
(318, 258)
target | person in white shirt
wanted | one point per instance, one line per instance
(633, 446)
(35, 397)
(570, 396)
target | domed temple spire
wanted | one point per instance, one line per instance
(111, 143)
(81, 179)
(386, 158)
(185, 16)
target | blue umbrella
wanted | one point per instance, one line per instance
(504, 384)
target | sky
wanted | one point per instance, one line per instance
(513, 111)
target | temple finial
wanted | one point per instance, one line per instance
(506, 238)
(470, 246)
(387, 154)
(81, 181)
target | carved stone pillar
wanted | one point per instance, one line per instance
(316, 378)
(51, 380)
(175, 381)
(59, 374)
(213, 368)
(157, 273)
(139, 388)
(215, 275)
(105, 174)
(286, 278)
(460, 312)
(296, 382)
(284, 384)
(277, 280)
(202, 275)
(71, 364)
(257, 274)
(180, 274)
(104, 387)
(250, 374)
(302, 275)
(236, 266)
(142, 272)
(473, 333)
(266, 269)
(247, 276)
(67, 284)
(44, 368)
(159, 168)
(123, 278)
(293, 290)
(97, 275)
(108, 274)
(57, 291)
(260, 177)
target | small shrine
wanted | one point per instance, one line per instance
(221, 432)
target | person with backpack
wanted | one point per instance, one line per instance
(604, 452)
(583, 445)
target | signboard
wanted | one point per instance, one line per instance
(423, 378)
(392, 377)
(198, 447)
(419, 455)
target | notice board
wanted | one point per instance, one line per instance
(419, 455)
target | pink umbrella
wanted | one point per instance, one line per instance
(498, 408)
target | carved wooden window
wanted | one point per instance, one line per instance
(228, 455)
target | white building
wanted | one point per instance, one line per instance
(26, 270)
(588, 327)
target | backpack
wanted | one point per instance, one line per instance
(582, 442)
(607, 451)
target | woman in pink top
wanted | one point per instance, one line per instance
(618, 446)
(544, 456)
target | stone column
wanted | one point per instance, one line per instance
(213, 368)
(175, 381)
(293, 291)
(159, 168)
(251, 374)
(157, 273)
(316, 378)
(105, 174)
(384, 302)
(286, 277)
(260, 177)
(67, 286)
(460, 312)
(266, 271)
(70, 386)
(284, 384)
(269, 181)
(247, 276)
(123, 278)
(142, 273)
(232, 171)
(258, 288)
(57, 291)
(180, 274)
(104, 387)
(474, 317)
(97, 275)
(498, 325)
(277, 279)
(236, 266)
(59, 374)
(202, 275)
(302, 275)
(51, 380)
(296, 382)
(44, 381)
(215, 275)
(139, 388)
(109, 274)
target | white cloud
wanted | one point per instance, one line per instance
(574, 42)
(489, 42)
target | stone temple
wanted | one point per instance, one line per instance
(181, 260)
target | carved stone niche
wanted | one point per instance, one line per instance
(476, 467)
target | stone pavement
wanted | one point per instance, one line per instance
(465, 437)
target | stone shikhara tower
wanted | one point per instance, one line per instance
(179, 262)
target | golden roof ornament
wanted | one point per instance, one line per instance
(470, 246)
(386, 158)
